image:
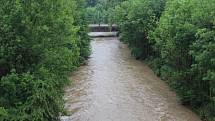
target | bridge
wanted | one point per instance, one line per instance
(103, 30)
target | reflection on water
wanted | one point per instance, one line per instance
(113, 86)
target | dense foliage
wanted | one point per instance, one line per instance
(41, 42)
(81, 22)
(185, 43)
(135, 19)
(178, 39)
(98, 11)
(91, 3)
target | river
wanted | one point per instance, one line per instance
(113, 86)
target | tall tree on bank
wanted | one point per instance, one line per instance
(41, 43)
(99, 13)
(177, 40)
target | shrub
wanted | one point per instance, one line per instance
(25, 97)
(99, 11)
(81, 21)
(135, 19)
(183, 41)
(178, 38)
(41, 43)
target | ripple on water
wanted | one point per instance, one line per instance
(113, 86)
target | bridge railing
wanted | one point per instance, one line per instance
(102, 28)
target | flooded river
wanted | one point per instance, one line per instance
(113, 86)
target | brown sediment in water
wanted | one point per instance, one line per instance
(113, 86)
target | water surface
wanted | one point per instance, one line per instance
(113, 86)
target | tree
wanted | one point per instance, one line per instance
(41, 43)
(184, 40)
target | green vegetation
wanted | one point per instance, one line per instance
(177, 38)
(98, 11)
(41, 42)
(135, 19)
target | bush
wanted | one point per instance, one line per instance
(41, 43)
(81, 21)
(178, 38)
(28, 98)
(98, 11)
(135, 19)
(184, 40)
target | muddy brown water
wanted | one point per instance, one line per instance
(113, 86)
